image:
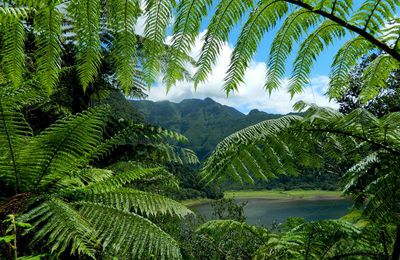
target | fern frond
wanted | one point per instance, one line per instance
(57, 151)
(232, 146)
(86, 21)
(261, 20)
(119, 180)
(376, 75)
(129, 235)
(390, 34)
(173, 154)
(345, 59)
(159, 14)
(122, 21)
(339, 8)
(324, 35)
(83, 177)
(139, 202)
(185, 29)
(13, 131)
(47, 25)
(62, 226)
(295, 25)
(373, 15)
(12, 13)
(106, 146)
(227, 14)
(13, 55)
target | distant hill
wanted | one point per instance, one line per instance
(204, 122)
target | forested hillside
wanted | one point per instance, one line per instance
(204, 122)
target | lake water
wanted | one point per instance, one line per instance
(266, 211)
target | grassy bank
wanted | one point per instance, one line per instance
(281, 194)
(272, 194)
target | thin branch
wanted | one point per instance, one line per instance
(369, 37)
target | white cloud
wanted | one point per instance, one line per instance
(250, 95)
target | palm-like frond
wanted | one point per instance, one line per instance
(57, 150)
(227, 14)
(129, 235)
(173, 154)
(345, 59)
(140, 202)
(262, 19)
(13, 130)
(13, 56)
(47, 23)
(293, 28)
(86, 18)
(186, 25)
(119, 180)
(376, 75)
(159, 14)
(238, 153)
(63, 226)
(370, 24)
(122, 18)
(310, 49)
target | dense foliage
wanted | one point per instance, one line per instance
(204, 122)
(313, 25)
(94, 187)
(51, 183)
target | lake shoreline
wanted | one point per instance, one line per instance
(276, 195)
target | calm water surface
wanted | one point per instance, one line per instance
(266, 211)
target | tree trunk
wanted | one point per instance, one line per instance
(396, 246)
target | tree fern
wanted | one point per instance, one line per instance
(86, 17)
(376, 74)
(344, 60)
(48, 32)
(373, 15)
(13, 56)
(263, 18)
(242, 142)
(58, 149)
(293, 28)
(67, 198)
(119, 180)
(63, 226)
(227, 14)
(159, 13)
(122, 21)
(186, 25)
(13, 129)
(324, 35)
(129, 235)
(368, 21)
(139, 202)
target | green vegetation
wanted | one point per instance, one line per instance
(80, 179)
(280, 194)
(204, 122)
(272, 194)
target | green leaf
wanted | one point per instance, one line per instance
(7, 239)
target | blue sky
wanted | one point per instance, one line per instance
(252, 96)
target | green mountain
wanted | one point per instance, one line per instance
(204, 122)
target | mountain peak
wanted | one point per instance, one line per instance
(204, 121)
(209, 100)
(254, 111)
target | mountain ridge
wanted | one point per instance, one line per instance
(204, 122)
